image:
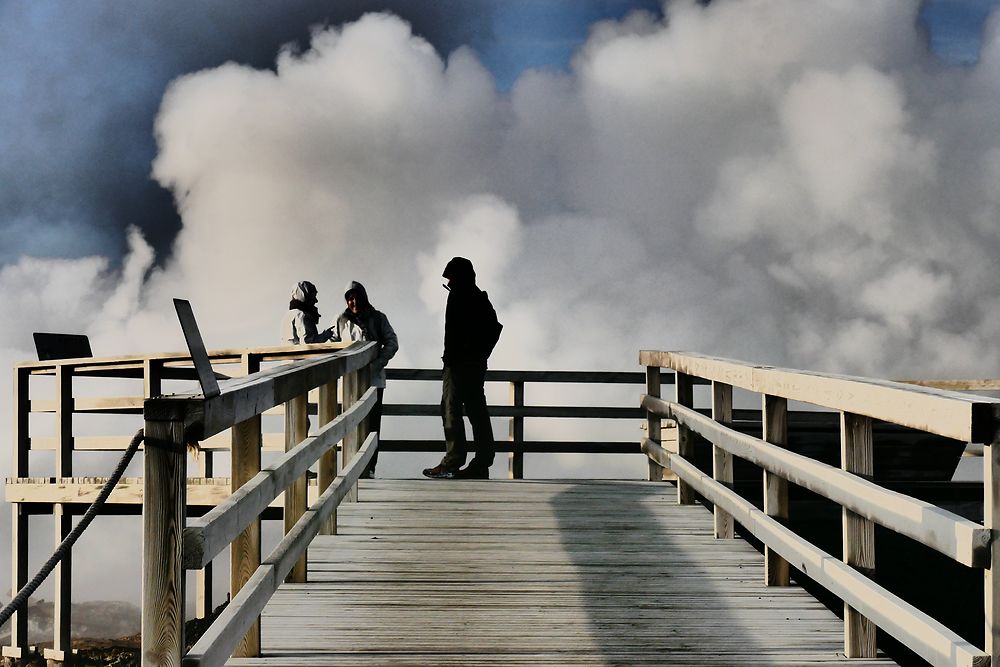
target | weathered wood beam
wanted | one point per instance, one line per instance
(922, 634)
(964, 541)
(951, 414)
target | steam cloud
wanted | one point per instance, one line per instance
(796, 183)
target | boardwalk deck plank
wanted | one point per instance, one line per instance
(538, 573)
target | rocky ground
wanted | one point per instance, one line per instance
(121, 652)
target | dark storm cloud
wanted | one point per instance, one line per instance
(80, 84)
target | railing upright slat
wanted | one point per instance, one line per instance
(653, 424)
(857, 456)
(349, 446)
(245, 550)
(515, 462)
(991, 519)
(327, 412)
(19, 515)
(62, 576)
(163, 513)
(722, 461)
(775, 425)
(296, 430)
(684, 395)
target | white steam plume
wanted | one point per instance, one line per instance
(795, 183)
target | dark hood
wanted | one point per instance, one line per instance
(460, 270)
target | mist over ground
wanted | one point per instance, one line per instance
(802, 184)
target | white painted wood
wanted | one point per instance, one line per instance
(965, 541)
(928, 638)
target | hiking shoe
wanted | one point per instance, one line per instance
(440, 472)
(473, 472)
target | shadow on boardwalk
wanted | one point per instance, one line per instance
(659, 589)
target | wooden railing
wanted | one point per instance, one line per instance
(117, 389)
(170, 545)
(37, 488)
(860, 401)
(518, 410)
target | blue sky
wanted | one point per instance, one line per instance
(81, 84)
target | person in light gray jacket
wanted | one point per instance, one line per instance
(360, 321)
(301, 322)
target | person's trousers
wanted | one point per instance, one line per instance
(462, 393)
(374, 426)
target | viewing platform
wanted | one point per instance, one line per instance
(765, 487)
(535, 572)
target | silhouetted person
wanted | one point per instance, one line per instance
(471, 331)
(300, 324)
(361, 321)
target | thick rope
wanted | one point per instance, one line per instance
(22, 595)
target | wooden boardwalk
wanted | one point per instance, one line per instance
(525, 572)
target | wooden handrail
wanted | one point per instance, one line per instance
(207, 536)
(172, 422)
(946, 532)
(964, 417)
(243, 398)
(927, 637)
(221, 638)
(951, 414)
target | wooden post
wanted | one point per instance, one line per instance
(163, 508)
(684, 390)
(61, 650)
(328, 411)
(722, 461)
(350, 445)
(515, 464)
(18, 647)
(244, 552)
(857, 456)
(991, 520)
(653, 421)
(296, 503)
(203, 577)
(775, 426)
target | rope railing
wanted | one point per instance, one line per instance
(28, 589)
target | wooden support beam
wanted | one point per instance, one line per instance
(62, 575)
(857, 457)
(722, 461)
(245, 550)
(203, 577)
(515, 462)
(775, 424)
(653, 421)
(163, 509)
(296, 430)
(327, 412)
(350, 444)
(18, 647)
(991, 576)
(684, 393)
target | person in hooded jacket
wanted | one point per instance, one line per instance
(301, 323)
(360, 321)
(471, 330)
